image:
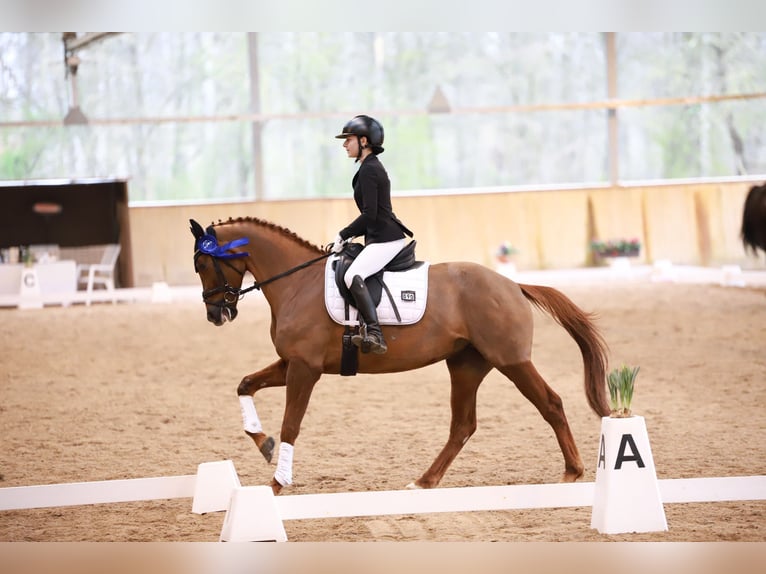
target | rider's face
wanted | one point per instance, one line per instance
(351, 143)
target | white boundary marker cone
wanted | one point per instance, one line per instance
(627, 495)
(731, 276)
(253, 517)
(29, 290)
(662, 270)
(213, 487)
(161, 292)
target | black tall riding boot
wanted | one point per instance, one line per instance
(370, 338)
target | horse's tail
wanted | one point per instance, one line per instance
(753, 232)
(581, 328)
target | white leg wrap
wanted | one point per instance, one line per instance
(284, 473)
(250, 419)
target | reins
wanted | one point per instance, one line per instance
(207, 244)
(257, 285)
(237, 293)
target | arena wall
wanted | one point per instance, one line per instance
(688, 223)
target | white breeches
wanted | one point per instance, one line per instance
(372, 259)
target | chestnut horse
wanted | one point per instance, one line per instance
(476, 320)
(753, 232)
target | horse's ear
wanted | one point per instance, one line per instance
(196, 229)
(211, 231)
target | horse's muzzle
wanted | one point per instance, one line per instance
(220, 315)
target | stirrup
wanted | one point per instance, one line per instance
(359, 337)
(377, 347)
(369, 343)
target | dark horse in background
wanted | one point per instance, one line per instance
(476, 320)
(753, 231)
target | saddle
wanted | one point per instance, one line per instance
(403, 261)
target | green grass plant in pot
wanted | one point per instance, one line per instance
(621, 382)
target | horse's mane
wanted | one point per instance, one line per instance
(273, 226)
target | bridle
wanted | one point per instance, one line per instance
(231, 294)
(221, 254)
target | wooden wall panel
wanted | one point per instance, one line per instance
(671, 229)
(618, 214)
(688, 223)
(562, 228)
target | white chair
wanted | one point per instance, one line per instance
(101, 273)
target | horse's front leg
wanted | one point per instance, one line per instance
(272, 376)
(301, 379)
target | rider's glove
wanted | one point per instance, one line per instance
(337, 246)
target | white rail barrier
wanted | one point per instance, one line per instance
(375, 503)
(253, 513)
(107, 491)
(210, 488)
(512, 497)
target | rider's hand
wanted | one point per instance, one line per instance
(338, 244)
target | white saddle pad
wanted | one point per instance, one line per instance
(409, 290)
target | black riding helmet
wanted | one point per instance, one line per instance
(364, 126)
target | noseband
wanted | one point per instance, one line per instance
(231, 294)
(208, 245)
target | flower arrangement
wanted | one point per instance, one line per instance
(616, 248)
(620, 382)
(505, 250)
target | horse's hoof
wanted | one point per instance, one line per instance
(276, 488)
(413, 486)
(267, 449)
(571, 476)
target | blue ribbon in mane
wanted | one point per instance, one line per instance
(208, 245)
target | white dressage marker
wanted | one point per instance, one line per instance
(265, 526)
(627, 496)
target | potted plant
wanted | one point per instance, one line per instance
(504, 258)
(615, 248)
(505, 252)
(621, 382)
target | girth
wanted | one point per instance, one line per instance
(403, 261)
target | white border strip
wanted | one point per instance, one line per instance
(381, 503)
(107, 491)
(470, 498)
(475, 498)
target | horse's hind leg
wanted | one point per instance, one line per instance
(467, 370)
(537, 391)
(272, 376)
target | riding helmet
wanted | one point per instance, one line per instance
(365, 126)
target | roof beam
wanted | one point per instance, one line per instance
(73, 42)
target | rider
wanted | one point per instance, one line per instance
(383, 232)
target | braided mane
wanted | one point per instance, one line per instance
(274, 227)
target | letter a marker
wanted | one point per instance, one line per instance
(627, 495)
